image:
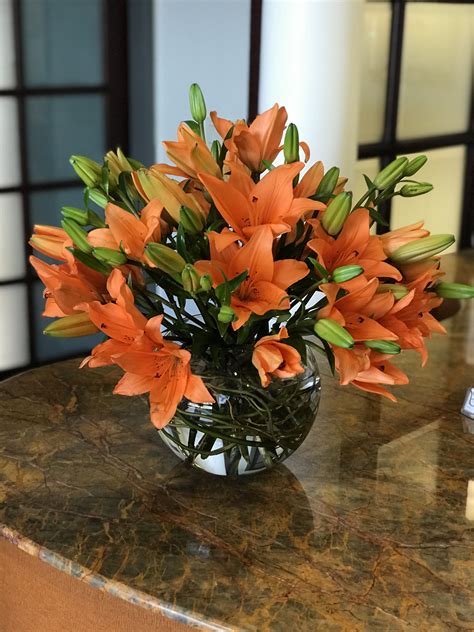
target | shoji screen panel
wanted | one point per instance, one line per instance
(58, 89)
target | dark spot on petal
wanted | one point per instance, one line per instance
(103, 326)
(254, 198)
(360, 319)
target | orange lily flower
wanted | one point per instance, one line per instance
(413, 271)
(120, 320)
(410, 317)
(136, 344)
(166, 374)
(359, 309)
(353, 245)
(127, 231)
(246, 206)
(191, 154)
(367, 370)
(50, 241)
(401, 236)
(264, 288)
(259, 141)
(68, 286)
(272, 357)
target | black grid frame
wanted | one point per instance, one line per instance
(115, 91)
(389, 147)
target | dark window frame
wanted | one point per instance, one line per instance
(114, 89)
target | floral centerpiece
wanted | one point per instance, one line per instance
(216, 279)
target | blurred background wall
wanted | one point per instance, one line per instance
(364, 81)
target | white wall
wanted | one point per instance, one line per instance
(202, 41)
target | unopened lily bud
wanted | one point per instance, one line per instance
(112, 257)
(89, 171)
(192, 221)
(391, 174)
(226, 314)
(98, 197)
(71, 326)
(77, 234)
(165, 259)
(417, 188)
(398, 290)
(332, 332)
(414, 165)
(328, 182)
(216, 150)
(77, 214)
(190, 279)
(423, 248)
(206, 283)
(346, 273)
(336, 213)
(383, 346)
(454, 290)
(291, 145)
(197, 103)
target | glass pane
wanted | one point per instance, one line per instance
(48, 348)
(10, 147)
(377, 18)
(12, 240)
(62, 40)
(7, 46)
(441, 209)
(58, 126)
(45, 206)
(369, 167)
(14, 343)
(436, 70)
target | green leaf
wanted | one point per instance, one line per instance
(323, 273)
(105, 177)
(376, 216)
(330, 356)
(194, 126)
(368, 182)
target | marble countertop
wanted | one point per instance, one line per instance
(369, 526)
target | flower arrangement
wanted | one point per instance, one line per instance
(228, 256)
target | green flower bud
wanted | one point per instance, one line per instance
(98, 197)
(414, 165)
(398, 291)
(80, 216)
(226, 314)
(165, 259)
(71, 326)
(206, 283)
(89, 171)
(336, 213)
(77, 234)
(391, 174)
(454, 290)
(346, 273)
(332, 332)
(383, 346)
(291, 145)
(112, 257)
(328, 182)
(197, 103)
(190, 279)
(191, 221)
(418, 188)
(423, 248)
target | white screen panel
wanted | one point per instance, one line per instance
(7, 46)
(14, 342)
(12, 247)
(10, 147)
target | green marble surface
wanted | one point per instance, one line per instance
(369, 526)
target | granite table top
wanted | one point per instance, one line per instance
(369, 526)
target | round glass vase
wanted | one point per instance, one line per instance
(249, 428)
